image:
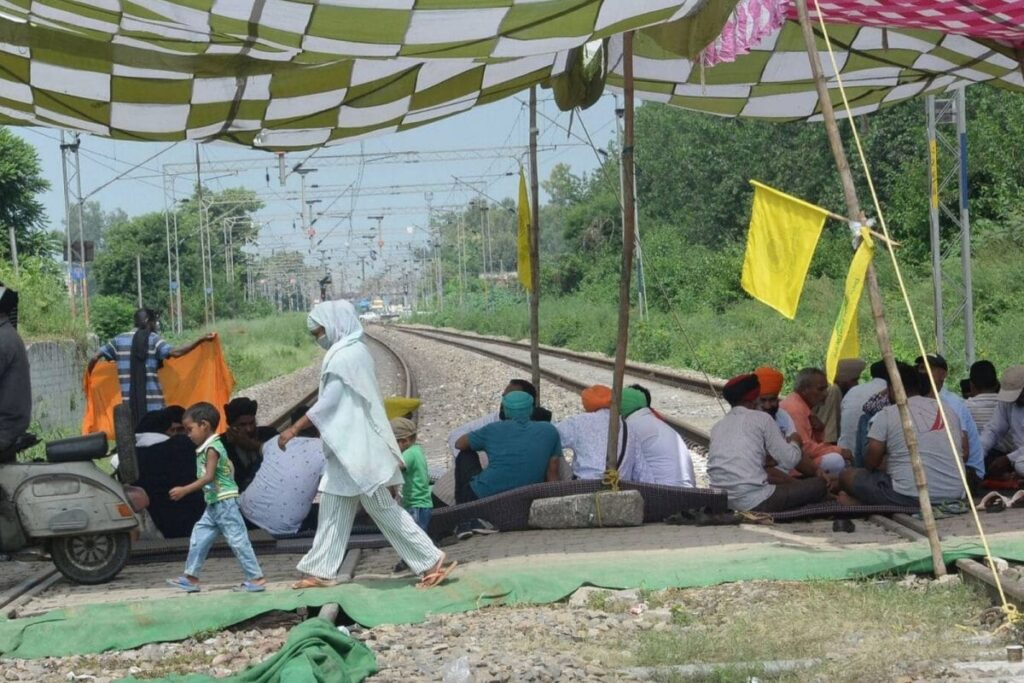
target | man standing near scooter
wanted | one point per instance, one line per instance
(15, 386)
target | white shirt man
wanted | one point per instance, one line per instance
(658, 455)
(853, 408)
(281, 494)
(586, 435)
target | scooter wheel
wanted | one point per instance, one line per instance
(92, 558)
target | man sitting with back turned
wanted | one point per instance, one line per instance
(280, 496)
(540, 414)
(166, 460)
(586, 434)
(888, 478)
(742, 441)
(975, 454)
(984, 393)
(853, 407)
(519, 452)
(658, 455)
(983, 404)
(809, 389)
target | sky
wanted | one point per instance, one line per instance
(349, 192)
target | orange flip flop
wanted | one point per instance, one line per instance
(437, 576)
(313, 582)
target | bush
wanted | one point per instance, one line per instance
(111, 315)
(43, 309)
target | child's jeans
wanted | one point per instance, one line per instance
(421, 516)
(224, 517)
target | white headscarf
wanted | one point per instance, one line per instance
(348, 361)
(339, 320)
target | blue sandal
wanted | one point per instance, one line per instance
(181, 583)
(250, 587)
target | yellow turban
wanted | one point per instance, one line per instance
(400, 406)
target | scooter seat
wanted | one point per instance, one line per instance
(77, 448)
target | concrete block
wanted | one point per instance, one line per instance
(587, 510)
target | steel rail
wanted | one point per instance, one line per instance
(693, 384)
(691, 433)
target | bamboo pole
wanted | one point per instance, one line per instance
(875, 295)
(534, 249)
(628, 246)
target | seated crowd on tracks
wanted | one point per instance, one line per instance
(842, 441)
(852, 448)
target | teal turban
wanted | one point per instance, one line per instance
(632, 401)
(518, 406)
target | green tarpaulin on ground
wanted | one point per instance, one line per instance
(315, 651)
(102, 627)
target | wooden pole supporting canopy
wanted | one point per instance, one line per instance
(628, 246)
(877, 308)
(534, 249)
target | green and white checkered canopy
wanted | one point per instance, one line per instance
(288, 74)
(281, 74)
(878, 68)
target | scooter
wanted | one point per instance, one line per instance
(79, 514)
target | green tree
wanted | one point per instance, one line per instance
(95, 223)
(21, 181)
(229, 216)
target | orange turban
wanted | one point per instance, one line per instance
(596, 397)
(770, 380)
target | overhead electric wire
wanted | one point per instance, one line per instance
(141, 164)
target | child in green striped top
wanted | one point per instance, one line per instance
(215, 477)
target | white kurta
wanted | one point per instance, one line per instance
(357, 456)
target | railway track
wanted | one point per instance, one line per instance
(691, 383)
(44, 590)
(695, 433)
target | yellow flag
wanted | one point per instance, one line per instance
(523, 242)
(845, 342)
(783, 233)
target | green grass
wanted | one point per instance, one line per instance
(860, 630)
(261, 349)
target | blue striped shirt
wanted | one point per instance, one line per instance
(119, 349)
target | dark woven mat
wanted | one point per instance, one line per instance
(833, 509)
(510, 511)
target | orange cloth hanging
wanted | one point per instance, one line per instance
(200, 375)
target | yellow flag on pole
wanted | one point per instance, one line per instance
(523, 241)
(845, 342)
(783, 233)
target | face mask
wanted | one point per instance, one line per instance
(323, 342)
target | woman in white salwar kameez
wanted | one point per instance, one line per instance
(361, 454)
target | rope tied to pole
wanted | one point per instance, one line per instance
(611, 479)
(1013, 616)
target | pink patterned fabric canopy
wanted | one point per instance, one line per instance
(1000, 20)
(753, 20)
